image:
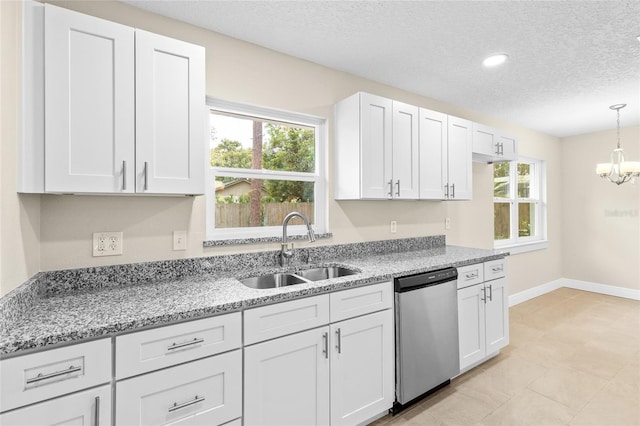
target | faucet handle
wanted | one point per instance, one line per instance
(312, 234)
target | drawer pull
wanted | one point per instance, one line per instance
(496, 269)
(471, 276)
(41, 376)
(177, 406)
(195, 341)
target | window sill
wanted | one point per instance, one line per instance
(259, 240)
(524, 247)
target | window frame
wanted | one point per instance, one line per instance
(319, 176)
(537, 196)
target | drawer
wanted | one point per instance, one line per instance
(162, 347)
(48, 374)
(470, 275)
(268, 322)
(79, 408)
(494, 269)
(203, 392)
(360, 301)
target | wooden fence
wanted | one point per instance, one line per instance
(235, 215)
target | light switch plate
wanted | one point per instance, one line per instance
(107, 244)
(179, 240)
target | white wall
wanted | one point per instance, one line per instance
(238, 71)
(601, 220)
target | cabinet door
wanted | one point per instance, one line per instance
(471, 325)
(204, 392)
(91, 407)
(406, 160)
(286, 380)
(89, 103)
(497, 315)
(459, 158)
(375, 146)
(433, 154)
(170, 114)
(508, 147)
(362, 368)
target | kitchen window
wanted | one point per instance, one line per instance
(519, 205)
(265, 163)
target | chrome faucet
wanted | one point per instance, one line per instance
(286, 252)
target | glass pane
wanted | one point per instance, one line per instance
(501, 180)
(251, 143)
(501, 221)
(272, 201)
(526, 219)
(524, 180)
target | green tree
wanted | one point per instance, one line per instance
(230, 153)
(292, 149)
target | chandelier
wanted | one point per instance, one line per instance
(618, 171)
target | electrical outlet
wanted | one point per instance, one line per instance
(394, 226)
(179, 240)
(107, 244)
(447, 223)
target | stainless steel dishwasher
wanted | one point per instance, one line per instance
(427, 354)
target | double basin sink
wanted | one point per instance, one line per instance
(297, 277)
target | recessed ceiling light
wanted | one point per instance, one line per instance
(495, 60)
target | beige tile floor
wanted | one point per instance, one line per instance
(574, 359)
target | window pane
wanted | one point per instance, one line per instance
(251, 143)
(501, 180)
(272, 201)
(501, 221)
(526, 219)
(524, 180)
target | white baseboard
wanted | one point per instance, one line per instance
(609, 290)
(523, 296)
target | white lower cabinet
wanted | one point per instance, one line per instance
(286, 380)
(483, 319)
(204, 392)
(340, 373)
(362, 368)
(90, 407)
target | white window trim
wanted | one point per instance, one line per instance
(320, 225)
(517, 244)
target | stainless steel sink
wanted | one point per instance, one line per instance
(298, 277)
(325, 273)
(272, 281)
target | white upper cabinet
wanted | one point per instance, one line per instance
(170, 115)
(491, 145)
(89, 103)
(433, 154)
(459, 171)
(124, 109)
(376, 149)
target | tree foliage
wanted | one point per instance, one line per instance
(285, 149)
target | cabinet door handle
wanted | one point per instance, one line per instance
(497, 148)
(446, 191)
(96, 411)
(41, 376)
(453, 190)
(501, 148)
(338, 341)
(398, 185)
(391, 188)
(484, 295)
(325, 344)
(490, 293)
(124, 175)
(195, 341)
(177, 406)
(146, 175)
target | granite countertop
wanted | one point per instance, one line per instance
(74, 316)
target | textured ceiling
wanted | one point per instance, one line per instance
(568, 60)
